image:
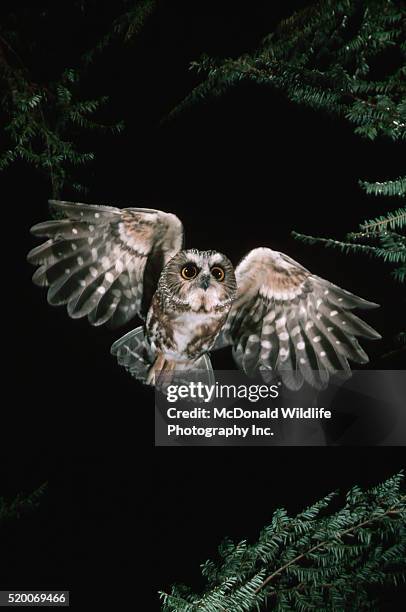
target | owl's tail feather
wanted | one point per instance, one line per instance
(134, 353)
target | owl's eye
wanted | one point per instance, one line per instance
(218, 273)
(189, 272)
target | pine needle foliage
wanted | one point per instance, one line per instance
(20, 504)
(385, 231)
(125, 27)
(325, 57)
(317, 560)
(44, 121)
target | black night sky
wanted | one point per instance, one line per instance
(241, 171)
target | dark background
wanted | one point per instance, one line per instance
(240, 172)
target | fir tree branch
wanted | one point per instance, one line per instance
(21, 503)
(39, 119)
(361, 544)
(395, 219)
(390, 512)
(126, 26)
(393, 254)
(387, 188)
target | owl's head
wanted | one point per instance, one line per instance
(199, 280)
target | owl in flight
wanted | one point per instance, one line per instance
(113, 265)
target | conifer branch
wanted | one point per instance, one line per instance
(390, 512)
(317, 561)
(40, 117)
(21, 503)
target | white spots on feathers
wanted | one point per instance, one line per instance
(270, 317)
(284, 336)
(303, 360)
(284, 352)
(301, 346)
(333, 313)
(322, 354)
(316, 338)
(88, 260)
(281, 322)
(105, 262)
(295, 330)
(266, 344)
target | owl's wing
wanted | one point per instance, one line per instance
(289, 322)
(103, 262)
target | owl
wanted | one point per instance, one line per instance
(113, 265)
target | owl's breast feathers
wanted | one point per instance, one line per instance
(182, 335)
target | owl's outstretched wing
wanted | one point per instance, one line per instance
(103, 261)
(289, 322)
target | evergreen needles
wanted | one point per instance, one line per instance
(318, 560)
(325, 56)
(44, 121)
(20, 504)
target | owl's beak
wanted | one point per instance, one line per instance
(205, 282)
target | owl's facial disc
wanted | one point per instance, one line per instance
(200, 280)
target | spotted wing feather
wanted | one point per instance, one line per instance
(289, 322)
(95, 258)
